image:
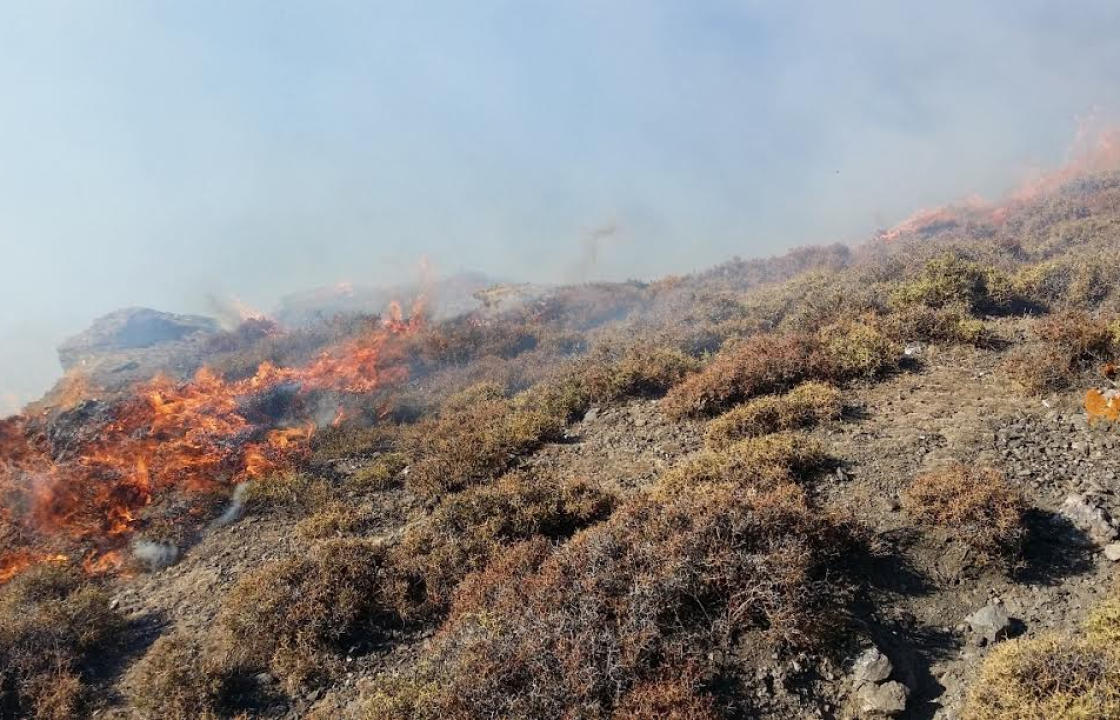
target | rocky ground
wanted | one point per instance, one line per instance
(932, 611)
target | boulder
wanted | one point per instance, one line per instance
(884, 700)
(130, 329)
(1088, 517)
(871, 667)
(990, 623)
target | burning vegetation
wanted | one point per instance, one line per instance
(450, 545)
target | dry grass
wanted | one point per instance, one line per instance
(806, 405)
(53, 629)
(976, 504)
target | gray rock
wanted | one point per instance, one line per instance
(1112, 551)
(131, 329)
(871, 667)
(885, 700)
(990, 623)
(1089, 518)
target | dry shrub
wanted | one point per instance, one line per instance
(296, 617)
(948, 324)
(644, 369)
(673, 698)
(759, 462)
(179, 679)
(661, 584)
(804, 406)
(468, 529)
(381, 473)
(758, 365)
(975, 504)
(776, 362)
(336, 520)
(950, 279)
(1070, 343)
(475, 437)
(288, 490)
(53, 629)
(1103, 624)
(1047, 678)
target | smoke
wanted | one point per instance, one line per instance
(154, 555)
(490, 137)
(236, 506)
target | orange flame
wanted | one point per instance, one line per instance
(187, 437)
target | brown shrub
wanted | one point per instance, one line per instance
(644, 369)
(948, 324)
(804, 406)
(296, 617)
(52, 629)
(381, 473)
(675, 698)
(660, 584)
(288, 490)
(476, 435)
(1070, 343)
(336, 520)
(976, 504)
(758, 462)
(179, 678)
(776, 362)
(468, 529)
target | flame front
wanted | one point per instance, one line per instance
(192, 437)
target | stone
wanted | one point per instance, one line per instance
(885, 700)
(871, 667)
(1089, 518)
(990, 623)
(1112, 551)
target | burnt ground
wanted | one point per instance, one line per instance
(948, 404)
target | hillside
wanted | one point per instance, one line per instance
(872, 481)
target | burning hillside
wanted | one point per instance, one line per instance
(75, 479)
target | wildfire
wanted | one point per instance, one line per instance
(1095, 150)
(192, 437)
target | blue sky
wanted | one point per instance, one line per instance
(155, 153)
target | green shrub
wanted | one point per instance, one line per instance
(949, 280)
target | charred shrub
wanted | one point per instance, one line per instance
(975, 504)
(53, 629)
(468, 529)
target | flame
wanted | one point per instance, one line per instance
(1095, 150)
(193, 437)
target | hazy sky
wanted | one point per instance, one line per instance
(152, 153)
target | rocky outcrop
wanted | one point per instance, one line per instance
(131, 329)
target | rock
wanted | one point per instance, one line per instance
(1112, 551)
(990, 623)
(131, 329)
(871, 667)
(591, 414)
(1089, 518)
(885, 700)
